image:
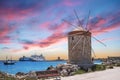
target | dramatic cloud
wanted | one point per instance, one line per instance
(5, 30)
(38, 23)
(70, 2)
(59, 33)
(102, 24)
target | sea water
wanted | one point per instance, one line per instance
(97, 62)
(27, 66)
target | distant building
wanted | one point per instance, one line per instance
(114, 58)
(58, 58)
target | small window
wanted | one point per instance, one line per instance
(72, 38)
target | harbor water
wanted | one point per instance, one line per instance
(27, 66)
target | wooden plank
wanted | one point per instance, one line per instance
(47, 74)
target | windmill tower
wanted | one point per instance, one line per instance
(79, 44)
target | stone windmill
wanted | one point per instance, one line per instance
(79, 44)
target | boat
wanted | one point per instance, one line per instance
(24, 58)
(9, 62)
(33, 58)
(37, 58)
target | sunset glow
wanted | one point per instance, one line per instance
(30, 27)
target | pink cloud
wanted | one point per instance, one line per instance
(45, 25)
(57, 36)
(5, 30)
(70, 2)
(107, 24)
(26, 47)
(5, 41)
(101, 22)
(54, 38)
(112, 27)
(16, 14)
(106, 29)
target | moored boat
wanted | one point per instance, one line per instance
(33, 58)
(9, 62)
(24, 58)
(37, 58)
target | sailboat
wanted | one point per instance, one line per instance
(9, 62)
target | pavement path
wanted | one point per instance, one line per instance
(108, 74)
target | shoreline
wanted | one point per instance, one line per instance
(92, 75)
(74, 72)
(27, 66)
(108, 74)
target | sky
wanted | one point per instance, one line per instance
(30, 27)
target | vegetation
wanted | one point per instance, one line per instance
(80, 71)
(94, 68)
(7, 78)
(99, 67)
(4, 76)
(118, 64)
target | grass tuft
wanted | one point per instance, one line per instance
(80, 71)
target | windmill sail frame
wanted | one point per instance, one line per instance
(79, 43)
